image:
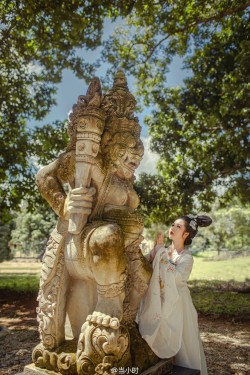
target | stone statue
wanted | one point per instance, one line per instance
(93, 272)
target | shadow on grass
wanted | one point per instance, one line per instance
(210, 297)
(231, 285)
(18, 309)
(222, 298)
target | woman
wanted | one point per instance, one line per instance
(167, 318)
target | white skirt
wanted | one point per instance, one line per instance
(168, 320)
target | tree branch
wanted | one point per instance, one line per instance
(197, 22)
(156, 46)
(228, 12)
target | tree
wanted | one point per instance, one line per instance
(32, 230)
(200, 129)
(188, 125)
(229, 230)
(38, 40)
(5, 237)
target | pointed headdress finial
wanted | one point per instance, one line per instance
(120, 79)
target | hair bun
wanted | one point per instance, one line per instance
(203, 220)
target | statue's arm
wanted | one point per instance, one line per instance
(50, 180)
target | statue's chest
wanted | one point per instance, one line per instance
(118, 195)
(121, 193)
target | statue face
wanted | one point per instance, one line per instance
(128, 161)
(123, 152)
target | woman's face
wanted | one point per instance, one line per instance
(177, 231)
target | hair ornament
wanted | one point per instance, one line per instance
(193, 224)
(190, 216)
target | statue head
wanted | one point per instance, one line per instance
(122, 153)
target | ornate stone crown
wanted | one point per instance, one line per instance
(119, 102)
(121, 125)
(116, 106)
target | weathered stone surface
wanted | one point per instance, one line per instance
(164, 365)
(93, 274)
(34, 370)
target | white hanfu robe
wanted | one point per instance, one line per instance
(167, 317)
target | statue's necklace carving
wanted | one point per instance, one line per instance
(116, 180)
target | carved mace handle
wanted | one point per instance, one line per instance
(90, 127)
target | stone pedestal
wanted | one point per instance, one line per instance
(178, 370)
(33, 370)
(164, 367)
(161, 368)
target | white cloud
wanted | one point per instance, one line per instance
(150, 159)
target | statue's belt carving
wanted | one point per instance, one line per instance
(129, 221)
(112, 290)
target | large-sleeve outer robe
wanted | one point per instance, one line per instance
(167, 318)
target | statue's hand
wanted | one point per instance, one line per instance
(79, 200)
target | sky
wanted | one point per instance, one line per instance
(71, 87)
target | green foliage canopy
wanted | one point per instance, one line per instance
(200, 129)
(38, 40)
(229, 231)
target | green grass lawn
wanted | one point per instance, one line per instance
(221, 287)
(19, 282)
(218, 287)
(237, 269)
(210, 300)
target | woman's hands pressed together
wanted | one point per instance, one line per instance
(159, 239)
